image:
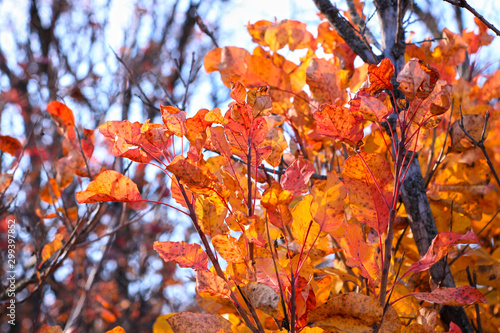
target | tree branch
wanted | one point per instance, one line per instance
(345, 30)
(464, 4)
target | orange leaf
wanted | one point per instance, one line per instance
(276, 201)
(228, 61)
(5, 181)
(339, 123)
(460, 296)
(174, 119)
(358, 252)
(440, 246)
(10, 145)
(374, 108)
(229, 249)
(324, 81)
(198, 123)
(50, 192)
(130, 132)
(327, 207)
(187, 322)
(194, 176)
(63, 116)
(352, 312)
(370, 190)
(288, 32)
(208, 282)
(52, 247)
(379, 77)
(112, 186)
(117, 329)
(296, 177)
(417, 79)
(211, 212)
(183, 254)
(50, 329)
(65, 168)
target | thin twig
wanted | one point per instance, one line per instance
(464, 4)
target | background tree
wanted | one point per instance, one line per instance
(91, 267)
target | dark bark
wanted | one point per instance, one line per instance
(413, 191)
(345, 30)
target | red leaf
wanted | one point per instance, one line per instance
(368, 204)
(296, 177)
(379, 77)
(10, 145)
(183, 254)
(454, 328)
(440, 246)
(339, 123)
(112, 186)
(460, 296)
(130, 132)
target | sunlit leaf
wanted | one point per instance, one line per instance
(174, 119)
(369, 181)
(353, 312)
(324, 81)
(211, 213)
(379, 77)
(417, 79)
(187, 322)
(161, 325)
(64, 118)
(50, 193)
(208, 282)
(303, 228)
(460, 296)
(296, 177)
(327, 206)
(357, 251)
(183, 254)
(374, 108)
(52, 247)
(339, 123)
(229, 249)
(109, 185)
(440, 246)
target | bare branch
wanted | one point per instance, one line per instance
(345, 29)
(464, 4)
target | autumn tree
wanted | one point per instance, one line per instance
(327, 196)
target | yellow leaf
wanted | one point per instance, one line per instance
(304, 230)
(161, 325)
(52, 247)
(229, 249)
(353, 312)
(211, 213)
